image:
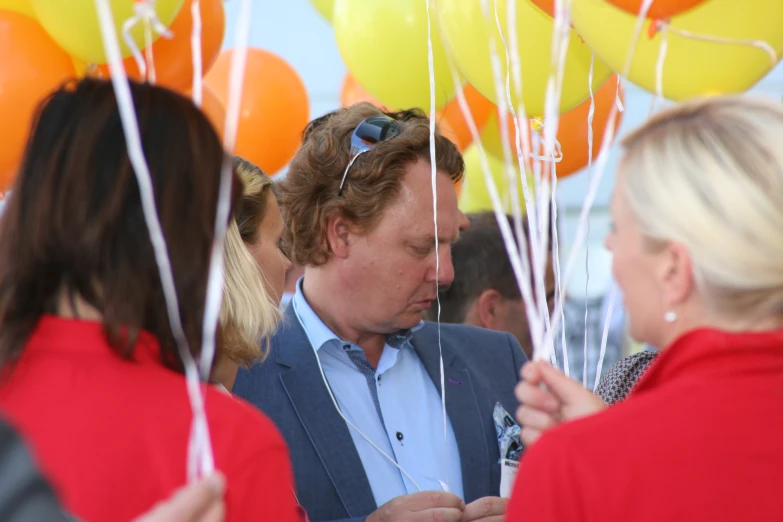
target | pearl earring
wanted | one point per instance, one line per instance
(670, 316)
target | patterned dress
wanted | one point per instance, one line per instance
(620, 379)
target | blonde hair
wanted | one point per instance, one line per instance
(249, 315)
(709, 175)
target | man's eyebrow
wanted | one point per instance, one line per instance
(431, 239)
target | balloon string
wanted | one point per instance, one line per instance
(605, 337)
(195, 45)
(508, 168)
(618, 100)
(662, 51)
(215, 279)
(137, 56)
(520, 264)
(758, 44)
(141, 171)
(151, 77)
(521, 118)
(556, 267)
(516, 210)
(433, 107)
(590, 116)
(560, 38)
(545, 185)
(144, 12)
(603, 158)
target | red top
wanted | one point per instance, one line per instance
(112, 434)
(700, 439)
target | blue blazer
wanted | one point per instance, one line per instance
(481, 368)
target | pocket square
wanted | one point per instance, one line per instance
(508, 432)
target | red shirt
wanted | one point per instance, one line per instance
(112, 434)
(699, 439)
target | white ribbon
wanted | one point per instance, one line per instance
(200, 458)
(144, 13)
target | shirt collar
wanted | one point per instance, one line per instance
(321, 334)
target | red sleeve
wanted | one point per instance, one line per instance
(548, 487)
(262, 487)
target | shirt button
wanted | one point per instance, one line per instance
(399, 436)
(347, 347)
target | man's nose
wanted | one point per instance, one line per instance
(445, 269)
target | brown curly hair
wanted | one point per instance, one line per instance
(310, 189)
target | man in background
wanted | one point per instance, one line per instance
(291, 277)
(485, 291)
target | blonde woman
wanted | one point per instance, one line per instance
(255, 275)
(697, 247)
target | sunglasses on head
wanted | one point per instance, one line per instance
(368, 134)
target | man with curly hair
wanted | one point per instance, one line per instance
(354, 376)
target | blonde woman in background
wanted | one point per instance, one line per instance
(697, 244)
(255, 275)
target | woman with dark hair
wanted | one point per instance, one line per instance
(94, 379)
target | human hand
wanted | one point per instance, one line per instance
(487, 509)
(424, 506)
(199, 502)
(543, 407)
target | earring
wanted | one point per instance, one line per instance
(670, 316)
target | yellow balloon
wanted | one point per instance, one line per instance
(490, 138)
(19, 6)
(80, 66)
(73, 24)
(467, 32)
(692, 67)
(325, 7)
(384, 46)
(474, 196)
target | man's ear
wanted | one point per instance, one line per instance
(487, 305)
(339, 235)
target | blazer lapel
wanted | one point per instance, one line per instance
(463, 410)
(324, 426)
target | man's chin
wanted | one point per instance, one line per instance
(411, 319)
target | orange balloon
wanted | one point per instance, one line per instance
(572, 130)
(659, 10)
(173, 57)
(274, 109)
(452, 121)
(212, 108)
(32, 66)
(450, 118)
(353, 93)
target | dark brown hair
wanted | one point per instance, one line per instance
(481, 262)
(310, 189)
(74, 222)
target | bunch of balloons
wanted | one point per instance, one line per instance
(685, 48)
(44, 43)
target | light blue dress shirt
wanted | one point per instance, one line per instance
(402, 415)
